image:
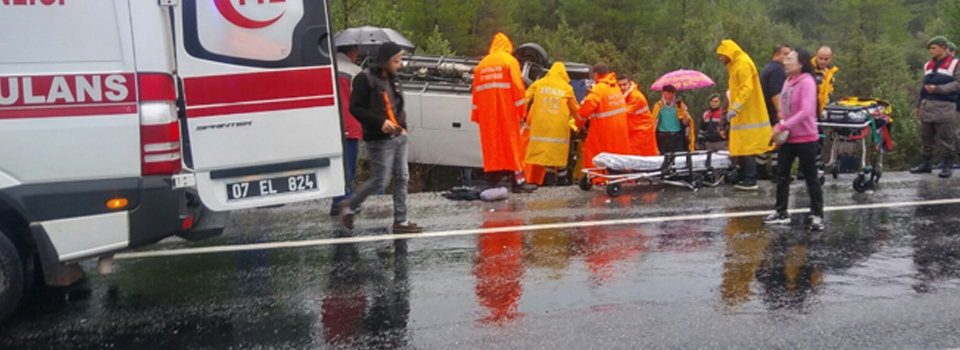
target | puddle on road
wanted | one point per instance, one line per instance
(390, 294)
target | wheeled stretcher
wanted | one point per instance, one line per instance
(692, 170)
(861, 121)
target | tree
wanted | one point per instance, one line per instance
(437, 45)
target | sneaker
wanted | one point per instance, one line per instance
(346, 215)
(747, 186)
(776, 219)
(816, 223)
(406, 227)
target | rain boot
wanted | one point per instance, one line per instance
(947, 170)
(924, 167)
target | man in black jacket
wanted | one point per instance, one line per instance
(377, 103)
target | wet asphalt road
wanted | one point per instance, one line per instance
(875, 279)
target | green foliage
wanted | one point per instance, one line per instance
(436, 44)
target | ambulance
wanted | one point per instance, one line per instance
(123, 122)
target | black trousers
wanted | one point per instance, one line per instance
(748, 169)
(671, 142)
(807, 153)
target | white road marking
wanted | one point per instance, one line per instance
(527, 228)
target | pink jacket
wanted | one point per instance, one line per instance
(798, 109)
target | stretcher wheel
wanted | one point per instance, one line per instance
(835, 171)
(614, 190)
(823, 180)
(862, 184)
(585, 183)
(696, 181)
(876, 174)
(733, 177)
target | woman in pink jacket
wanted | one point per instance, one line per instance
(797, 131)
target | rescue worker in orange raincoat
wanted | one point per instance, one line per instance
(606, 110)
(499, 107)
(553, 104)
(643, 130)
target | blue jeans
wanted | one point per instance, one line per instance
(351, 151)
(389, 160)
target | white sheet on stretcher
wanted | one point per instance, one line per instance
(617, 162)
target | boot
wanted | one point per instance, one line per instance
(524, 188)
(924, 167)
(947, 170)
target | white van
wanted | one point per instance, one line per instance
(124, 122)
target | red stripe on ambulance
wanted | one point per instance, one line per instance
(262, 87)
(260, 107)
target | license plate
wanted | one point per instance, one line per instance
(270, 187)
(184, 181)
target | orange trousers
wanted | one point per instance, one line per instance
(535, 173)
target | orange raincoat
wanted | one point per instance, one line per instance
(607, 109)
(499, 105)
(643, 129)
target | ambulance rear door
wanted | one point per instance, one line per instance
(262, 124)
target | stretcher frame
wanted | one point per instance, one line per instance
(691, 176)
(869, 174)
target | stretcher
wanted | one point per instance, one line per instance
(865, 122)
(692, 170)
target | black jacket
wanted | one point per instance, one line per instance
(368, 106)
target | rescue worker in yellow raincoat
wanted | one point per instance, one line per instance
(499, 106)
(825, 73)
(643, 129)
(750, 128)
(606, 110)
(553, 104)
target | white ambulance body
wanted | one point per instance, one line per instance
(125, 122)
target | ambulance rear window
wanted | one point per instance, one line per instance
(258, 33)
(41, 37)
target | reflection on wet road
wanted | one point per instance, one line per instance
(878, 278)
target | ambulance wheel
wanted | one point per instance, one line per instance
(835, 171)
(862, 184)
(585, 183)
(12, 276)
(614, 190)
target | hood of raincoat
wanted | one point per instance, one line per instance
(501, 43)
(558, 71)
(730, 49)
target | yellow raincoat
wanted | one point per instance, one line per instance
(553, 104)
(684, 114)
(826, 86)
(750, 129)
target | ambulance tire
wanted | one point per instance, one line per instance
(11, 276)
(585, 183)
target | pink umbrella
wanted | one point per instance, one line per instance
(683, 80)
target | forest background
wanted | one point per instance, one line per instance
(879, 45)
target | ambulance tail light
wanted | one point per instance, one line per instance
(159, 126)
